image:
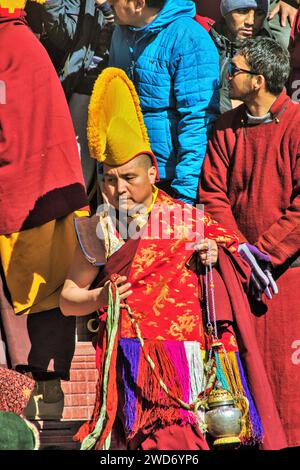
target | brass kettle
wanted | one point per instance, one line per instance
(224, 420)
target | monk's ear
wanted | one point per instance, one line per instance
(152, 172)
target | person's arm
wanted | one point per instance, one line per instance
(213, 187)
(76, 298)
(107, 11)
(282, 240)
(60, 20)
(196, 89)
(287, 10)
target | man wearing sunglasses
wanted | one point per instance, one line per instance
(241, 19)
(250, 183)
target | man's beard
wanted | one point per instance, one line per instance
(241, 97)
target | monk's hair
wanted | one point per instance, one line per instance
(144, 161)
(156, 3)
(268, 58)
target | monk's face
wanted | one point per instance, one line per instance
(244, 23)
(241, 84)
(129, 185)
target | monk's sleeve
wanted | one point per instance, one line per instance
(213, 187)
(223, 236)
(282, 240)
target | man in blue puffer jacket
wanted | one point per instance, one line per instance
(175, 67)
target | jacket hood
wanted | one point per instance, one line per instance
(172, 10)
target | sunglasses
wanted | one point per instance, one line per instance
(233, 70)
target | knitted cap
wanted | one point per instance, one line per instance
(230, 5)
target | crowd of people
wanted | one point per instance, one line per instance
(149, 172)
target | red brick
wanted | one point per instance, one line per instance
(83, 365)
(75, 387)
(76, 400)
(91, 399)
(91, 388)
(84, 358)
(92, 375)
(78, 376)
(84, 348)
(79, 412)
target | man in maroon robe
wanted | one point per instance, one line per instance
(251, 183)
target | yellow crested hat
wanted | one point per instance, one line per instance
(12, 8)
(116, 130)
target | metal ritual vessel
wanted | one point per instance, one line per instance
(224, 419)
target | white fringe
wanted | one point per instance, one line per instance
(196, 368)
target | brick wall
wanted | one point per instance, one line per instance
(80, 390)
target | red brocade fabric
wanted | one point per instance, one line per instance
(41, 177)
(231, 276)
(166, 294)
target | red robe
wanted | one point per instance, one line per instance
(143, 261)
(250, 183)
(40, 171)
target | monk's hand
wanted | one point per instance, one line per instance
(208, 251)
(123, 289)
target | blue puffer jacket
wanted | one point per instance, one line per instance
(175, 67)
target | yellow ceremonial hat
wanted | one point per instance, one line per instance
(11, 8)
(116, 129)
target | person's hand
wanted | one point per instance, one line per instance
(100, 2)
(123, 289)
(261, 274)
(285, 12)
(208, 251)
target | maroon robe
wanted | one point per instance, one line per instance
(40, 180)
(40, 171)
(250, 183)
(210, 9)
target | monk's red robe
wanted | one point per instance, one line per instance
(168, 305)
(250, 183)
(40, 171)
(41, 182)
